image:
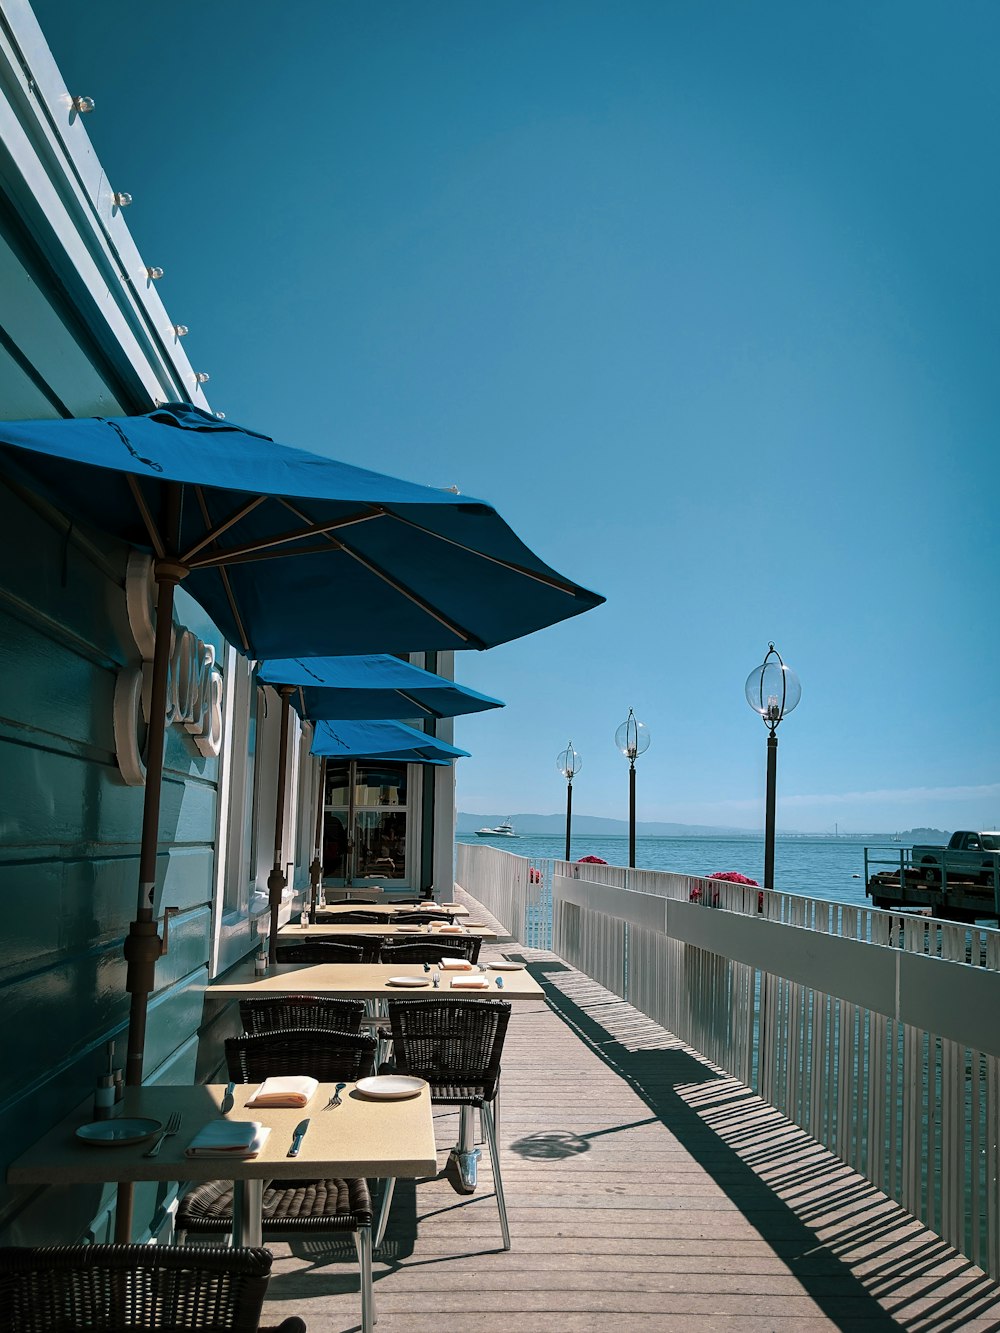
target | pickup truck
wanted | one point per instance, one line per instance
(969, 857)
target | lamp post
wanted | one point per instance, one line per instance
(772, 690)
(569, 764)
(632, 738)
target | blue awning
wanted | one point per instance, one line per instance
(344, 739)
(376, 686)
(291, 553)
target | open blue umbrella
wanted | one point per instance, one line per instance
(356, 739)
(374, 686)
(289, 553)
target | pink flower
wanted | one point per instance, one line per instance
(591, 860)
(733, 876)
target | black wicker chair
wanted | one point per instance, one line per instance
(280, 1012)
(455, 1045)
(356, 917)
(292, 1207)
(431, 949)
(418, 918)
(318, 951)
(134, 1289)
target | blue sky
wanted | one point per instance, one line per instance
(703, 297)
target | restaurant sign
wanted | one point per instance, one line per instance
(194, 682)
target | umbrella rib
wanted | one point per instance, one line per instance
(421, 708)
(230, 596)
(147, 517)
(214, 533)
(452, 625)
(561, 585)
(262, 548)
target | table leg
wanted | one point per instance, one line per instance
(248, 1199)
(465, 1152)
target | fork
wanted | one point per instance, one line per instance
(169, 1130)
(336, 1098)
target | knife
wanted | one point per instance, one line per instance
(228, 1099)
(297, 1137)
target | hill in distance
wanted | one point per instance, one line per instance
(529, 825)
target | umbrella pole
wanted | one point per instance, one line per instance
(276, 879)
(352, 777)
(316, 869)
(143, 945)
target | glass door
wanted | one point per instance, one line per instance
(365, 829)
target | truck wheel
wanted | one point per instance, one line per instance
(931, 876)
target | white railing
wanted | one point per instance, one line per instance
(876, 1032)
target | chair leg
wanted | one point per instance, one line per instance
(363, 1245)
(383, 1211)
(491, 1135)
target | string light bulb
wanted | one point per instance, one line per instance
(201, 377)
(83, 104)
(180, 330)
(154, 273)
(121, 198)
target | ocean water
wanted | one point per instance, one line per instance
(831, 868)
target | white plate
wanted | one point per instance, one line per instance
(117, 1133)
(408, 981)
(410, 930)
(390, 1086)
(506, 967)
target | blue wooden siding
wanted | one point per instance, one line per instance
(69, 842)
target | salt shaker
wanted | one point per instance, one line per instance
(104, 1097)
(304, 918)
(260, 964)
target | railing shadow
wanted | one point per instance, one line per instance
(729, 1132)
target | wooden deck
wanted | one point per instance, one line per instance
(645, 1189)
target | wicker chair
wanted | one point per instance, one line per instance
(121, 1288)
(356, 917)
(455, 1045)
(417, 918)
(292, 1207)
(318, 951)
(265, 1013)
(431, 949)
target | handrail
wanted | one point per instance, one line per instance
(874, 1031)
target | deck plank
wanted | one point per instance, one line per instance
(645, 1185)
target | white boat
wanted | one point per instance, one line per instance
(502, 830)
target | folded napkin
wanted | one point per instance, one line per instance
(470, 983)
(291, 1090)
(451, 930)
(228, 1138)
(456, 964)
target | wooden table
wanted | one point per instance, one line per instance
(366, 981)
(361, 1137)
(291, 932)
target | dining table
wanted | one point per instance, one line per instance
(375, 981)
(363, 1136)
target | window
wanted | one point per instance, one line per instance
(365, 825)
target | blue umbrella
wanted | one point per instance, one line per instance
(381, 740)
(376, 686)
(381, 564)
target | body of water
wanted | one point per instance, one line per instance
(817, 867)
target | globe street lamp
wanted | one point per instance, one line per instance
(632, 738)
(772, 690)
(569, 764)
